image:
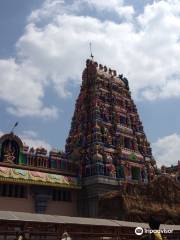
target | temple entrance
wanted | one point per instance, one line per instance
(135, 171)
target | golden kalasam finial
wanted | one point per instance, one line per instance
(15, 125)
(90, 47)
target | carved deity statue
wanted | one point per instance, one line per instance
(9, 153)
(112, 171)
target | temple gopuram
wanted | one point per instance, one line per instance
(106, 138)
(106, 151)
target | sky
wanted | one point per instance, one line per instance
(43, 48)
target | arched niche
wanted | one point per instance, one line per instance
(10, 148)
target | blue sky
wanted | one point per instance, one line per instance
(43, 48)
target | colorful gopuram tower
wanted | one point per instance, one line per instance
(106, 138)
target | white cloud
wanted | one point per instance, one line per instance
(167, 150)
(55, 44)
(53, 8)
(49, 9)
(22, 88)
(116, 6)
(167, 90)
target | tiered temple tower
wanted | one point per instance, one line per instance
(107, 137)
